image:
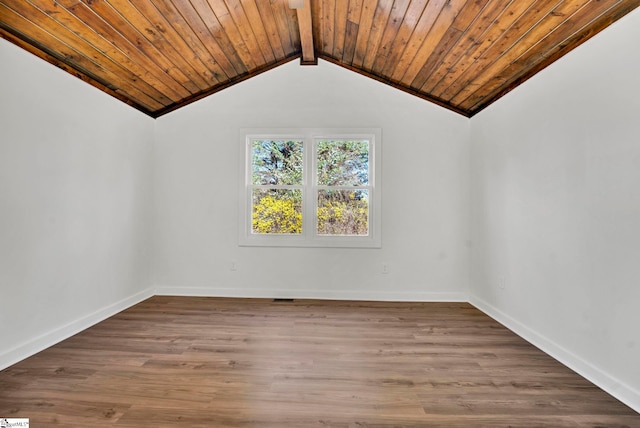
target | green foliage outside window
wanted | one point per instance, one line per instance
(277, 166)
(277, 162)
(343, 163)
(343, 213)
(277, 211)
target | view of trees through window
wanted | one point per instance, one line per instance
(341, 175)
(343, 208)
(277, 167)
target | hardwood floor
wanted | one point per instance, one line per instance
(207, 362)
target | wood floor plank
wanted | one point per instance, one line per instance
(203, 362)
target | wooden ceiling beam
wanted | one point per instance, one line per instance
(303, 10)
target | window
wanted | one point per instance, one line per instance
(310, 187)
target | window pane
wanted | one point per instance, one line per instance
(343, 163)
(277, 211)
(276, 162)
(343, 212)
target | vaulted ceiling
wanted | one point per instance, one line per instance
(158, 55)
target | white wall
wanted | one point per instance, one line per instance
(556, 209)
(425, 168)
(75, 185)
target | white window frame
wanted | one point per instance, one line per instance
(309, 236)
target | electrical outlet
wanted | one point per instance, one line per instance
(385, 268)
(233, 266)
(502, 282)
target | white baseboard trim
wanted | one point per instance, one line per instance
(390, 296)
(613, 386)
(46, 340)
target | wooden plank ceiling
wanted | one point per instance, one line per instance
(158, 55)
